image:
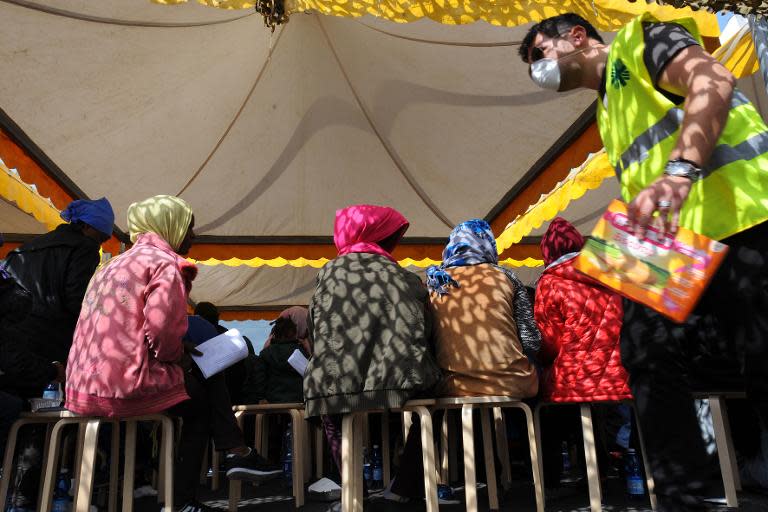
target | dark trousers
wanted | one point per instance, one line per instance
(207, 414)
(726, 334)
(10, 408)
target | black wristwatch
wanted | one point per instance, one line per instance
(683, 168)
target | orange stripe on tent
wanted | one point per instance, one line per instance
(572, 156)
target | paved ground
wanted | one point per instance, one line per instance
(275, 497)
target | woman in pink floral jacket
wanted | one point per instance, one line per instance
(128, 359)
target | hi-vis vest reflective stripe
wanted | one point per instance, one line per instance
(639, 127)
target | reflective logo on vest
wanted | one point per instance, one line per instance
(619, 74)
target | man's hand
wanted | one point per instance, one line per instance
(666, 190)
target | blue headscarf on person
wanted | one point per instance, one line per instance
(96, 213)
(470, 243)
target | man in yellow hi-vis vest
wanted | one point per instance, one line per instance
(689, 149)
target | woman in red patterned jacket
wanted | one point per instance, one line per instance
(580, 322)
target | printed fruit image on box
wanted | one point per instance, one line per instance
(666, 274)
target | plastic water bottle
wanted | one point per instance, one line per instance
(288, 455)
(61, 499)
(635, 487)
(52, 392)
(566, 458)
(367, 469)
(378, 471)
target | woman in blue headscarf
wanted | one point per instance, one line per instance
(484, 317)
(485, 334)
(55, 268)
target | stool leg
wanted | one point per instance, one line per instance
(166, 454)
(85, 482)
(306, 453)
(235, 493)
(444, 477)
(264, 449)
(114, 467)
(49, 476)
(500, 426)
(78, 466)
(593, 475)
(646, 463)
(725, 451)
(297, 424)
(258, 427)
(129, 466)
(428, 450)
(10, 447)
(46, 448)
(490, 464)
(468, 439)
(534, 442)
(347, 463)
(357, 458)
(407, 420)
(319, 454)
(386, 471)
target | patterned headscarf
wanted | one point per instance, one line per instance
(470, 243)
(362, 228)
(560, 239)
(167, 216)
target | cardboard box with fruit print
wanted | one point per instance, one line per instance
(664, 273)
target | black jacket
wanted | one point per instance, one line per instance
(283, 384)
(19, 367)
(55, 268)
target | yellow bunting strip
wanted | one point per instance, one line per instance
(606, 15)
(318, 263)
(27, 199)
(587, 176)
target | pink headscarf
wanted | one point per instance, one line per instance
(362, 227)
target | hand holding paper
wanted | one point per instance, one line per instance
(221, 352)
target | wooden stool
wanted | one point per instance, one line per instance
(486, 405)
(726, 454)
(590, 453)
(87, 445)
(299, 450)
(28, 418)
(352, 455)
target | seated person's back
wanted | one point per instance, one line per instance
(283, 383)
(580, 322)
(369, 320)
(483, 318)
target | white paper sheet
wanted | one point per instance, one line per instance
(221, 352)
(298, 361)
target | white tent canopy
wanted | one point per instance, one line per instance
(266, 135)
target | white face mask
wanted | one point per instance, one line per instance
(546, 74)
